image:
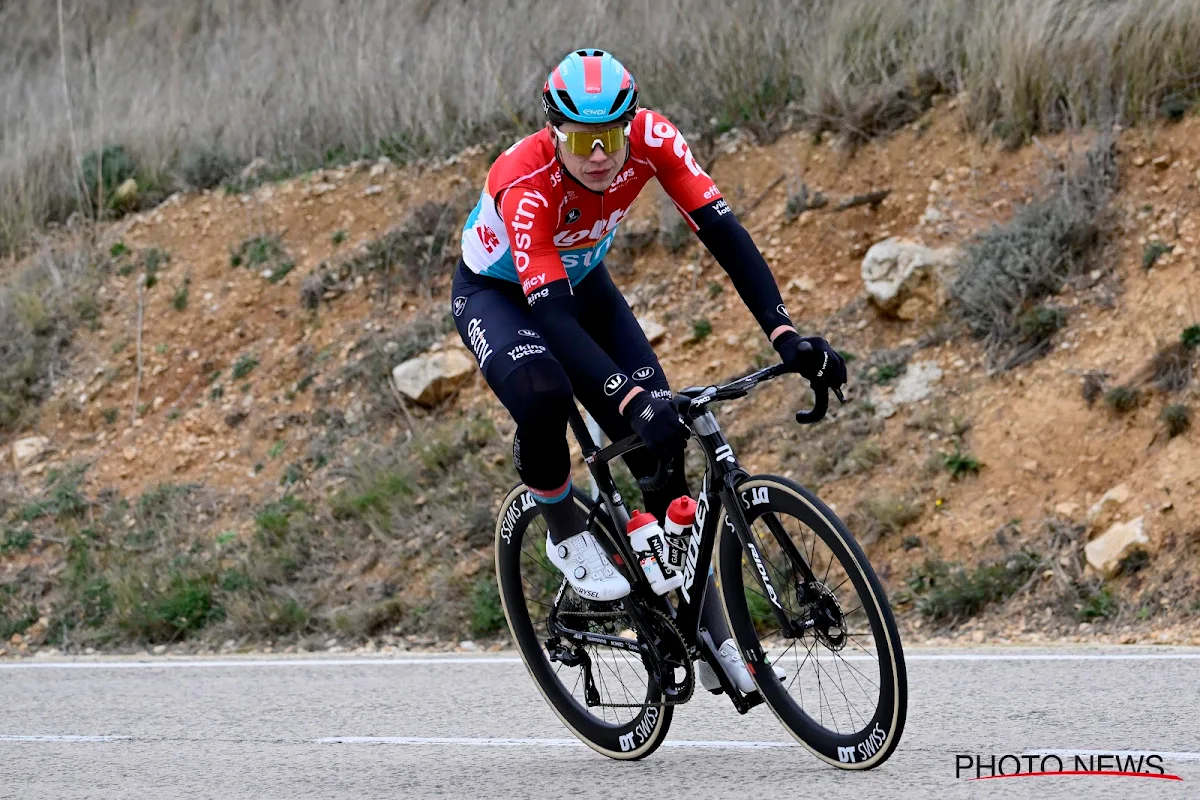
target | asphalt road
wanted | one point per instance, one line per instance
(467, 726)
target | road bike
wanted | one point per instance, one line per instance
(796, 590)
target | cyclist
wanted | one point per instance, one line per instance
(533, 301)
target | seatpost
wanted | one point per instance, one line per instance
(582, 434)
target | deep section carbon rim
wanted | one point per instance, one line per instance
(843, 694)
(604, 694)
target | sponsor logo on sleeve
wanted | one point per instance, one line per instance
(658, 132)
(721, 207)
(460, 303)
(643, 373)
(711, 192)
(540, 294)
(522, 350)
(782, 309)
(477, 338)
(613, 383)
(527, 206)
(573, 216)
(529, 333)
(662, 394)
(533, 281)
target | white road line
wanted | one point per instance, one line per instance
(1053, 751)
(60, 738)
(404, 661)
(472, 742)
(168, 663)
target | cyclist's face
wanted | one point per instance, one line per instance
(595, 171)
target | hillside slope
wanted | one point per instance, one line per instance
(278, 492)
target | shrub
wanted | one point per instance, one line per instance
(1122, 399)
(150, 261)
(179, 300)
(1098, 605)
(961, 463)
(953, 593)
(487, 615)
(258, 251)
(1007, 270)
(416, 253)
(40, 308)
(1171, 368)
(206, 168)
(701, 329)
(1153, 251)
(244, 366)
(1191, 337)
(103, 171)
(1177, 418)
(886, 514)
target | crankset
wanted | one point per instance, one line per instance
(661, 647)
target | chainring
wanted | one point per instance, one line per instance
(667, 652)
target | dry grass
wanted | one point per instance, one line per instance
(192, 90)
(40, 309)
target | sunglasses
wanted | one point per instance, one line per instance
(582, 143)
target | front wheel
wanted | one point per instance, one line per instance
(803, 597)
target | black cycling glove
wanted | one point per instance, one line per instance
(657, 422)
(820, 365)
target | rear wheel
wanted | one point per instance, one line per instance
(845, 694)
(607, 696)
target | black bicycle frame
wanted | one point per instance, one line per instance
(718, 493)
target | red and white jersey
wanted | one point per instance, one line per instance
(534, 224)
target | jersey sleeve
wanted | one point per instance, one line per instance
(688, 186)
(530, 220)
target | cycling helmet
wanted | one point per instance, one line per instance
(590, 86)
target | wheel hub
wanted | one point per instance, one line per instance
(825, 612)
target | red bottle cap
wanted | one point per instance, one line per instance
(682, 511)
(640, 519)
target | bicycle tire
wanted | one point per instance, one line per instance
(632, 740)
(874, 742)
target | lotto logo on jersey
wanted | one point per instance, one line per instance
(659, 132)
(597, 231)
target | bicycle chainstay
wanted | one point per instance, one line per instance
(668, 627)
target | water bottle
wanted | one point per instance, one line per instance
(649, 541)
(681, 516)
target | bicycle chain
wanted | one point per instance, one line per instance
(662, 619)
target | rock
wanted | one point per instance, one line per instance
(468, 646)
(916, 383)
(428, 379)
(902, 276)
(1113, 499)
(1104, 553)
(801, 284)
(1067, 509)
(321, 188)
(379, 167)
(126, 192)
(636, 234)
(372, 190)
(30, 449)
(653, 330)
(255, 168)
(1161, 162)
(160, 649)
(1139, 161)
